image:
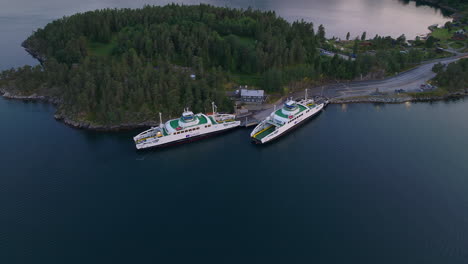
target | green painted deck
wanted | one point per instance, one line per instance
(213, 121)
(265, 133)
(279, 112)
(174, 123)
(201, 120)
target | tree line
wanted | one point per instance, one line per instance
(453, 77)
(119, 65)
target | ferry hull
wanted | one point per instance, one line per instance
(185, 140)
(283, 131)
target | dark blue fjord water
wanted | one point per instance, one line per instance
(360, 183)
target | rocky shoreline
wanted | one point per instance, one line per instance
(103, 128)
(74, 123)
(387, 99)
(41, 58)
(397, 99)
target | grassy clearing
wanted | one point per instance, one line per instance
(101, 49)
(442, 34)
(436, 93)
(247, 41)
(435, 55)
(457, 45)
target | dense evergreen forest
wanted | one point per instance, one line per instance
(453, 77)
(457, 4)
(125, 65)
(116, 65)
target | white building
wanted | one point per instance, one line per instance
(252, 96)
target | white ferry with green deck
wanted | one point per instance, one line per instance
(188, 127)
(285, 119)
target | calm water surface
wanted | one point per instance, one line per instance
(359, 184)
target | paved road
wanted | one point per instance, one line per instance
(409, 81)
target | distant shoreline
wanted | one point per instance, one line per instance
(396, 99)
(384, 99)
(388, 98)
(436, 4)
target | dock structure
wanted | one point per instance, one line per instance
(248, 121)
(253, 119)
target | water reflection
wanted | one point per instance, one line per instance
(407, 105)
(344, 107)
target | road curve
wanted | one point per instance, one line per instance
(409, 80)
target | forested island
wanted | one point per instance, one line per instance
(109, 67)
(450, 5)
